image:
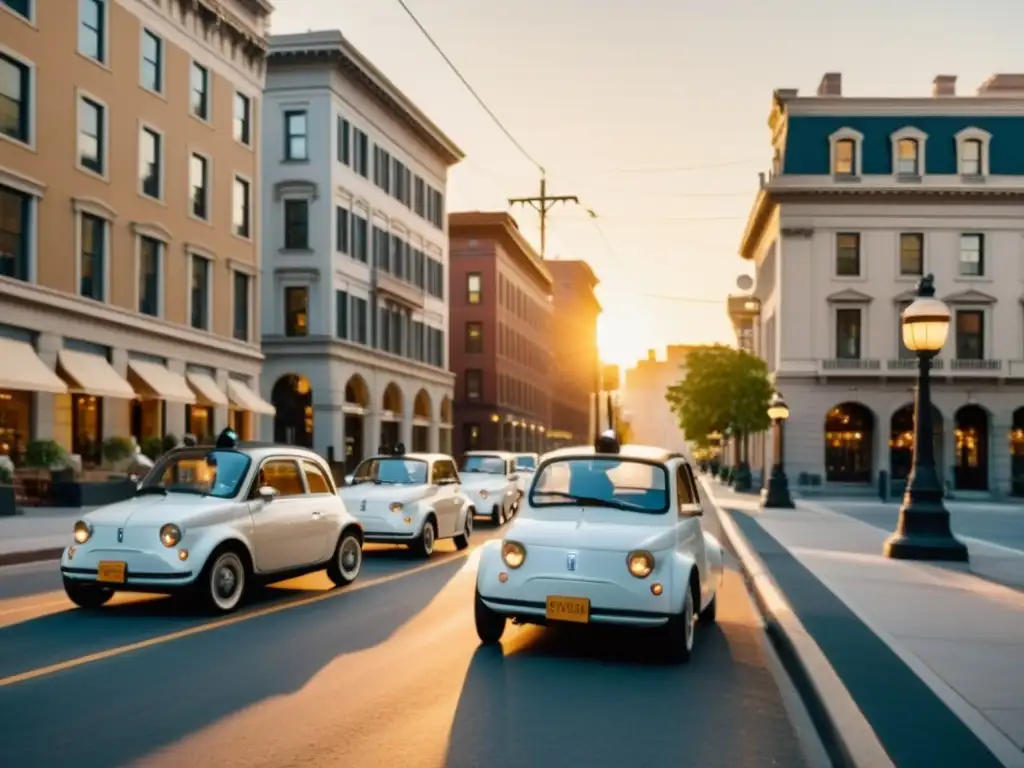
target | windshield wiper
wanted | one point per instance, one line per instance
(151, 490)
(593, 501)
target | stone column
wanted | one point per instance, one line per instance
(220, 413)
(51, 417)
(371, 433)
(434, 437)
(405, 425)
(117, 413)
(999, 463)
(175, 412)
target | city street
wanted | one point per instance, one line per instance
(386, 673)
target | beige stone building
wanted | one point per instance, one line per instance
(129, 251)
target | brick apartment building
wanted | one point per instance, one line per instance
(576, 373)
(501, 323)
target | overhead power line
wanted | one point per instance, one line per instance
(470, 88)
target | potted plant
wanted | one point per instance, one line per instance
(152, 446)
(117, 449)
(169, 443)
(8, 497)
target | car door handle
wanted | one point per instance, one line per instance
(317, 515)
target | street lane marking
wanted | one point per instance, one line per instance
(228, 621)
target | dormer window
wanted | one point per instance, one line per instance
(908, 153)
(972, 153)
(845, 153)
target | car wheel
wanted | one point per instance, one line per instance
(679, 632)
(462, 540)
(87, 595)
(498, 516)
(223, 582)
(490, 625)
(428, 536)
(347, 561)
(710, 612)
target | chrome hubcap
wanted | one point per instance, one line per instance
(226, 582)
(428, 537)
(349, 555)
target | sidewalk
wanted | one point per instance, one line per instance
(41, 533)
(931, 655)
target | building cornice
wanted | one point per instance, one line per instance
(955, 106)
(330, 46)
(503, 227)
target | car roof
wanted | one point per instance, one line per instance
(257, 449)
(500, 454)
(628, 451)
(428, 457)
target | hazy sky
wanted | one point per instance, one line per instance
(654, 113)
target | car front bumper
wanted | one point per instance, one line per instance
(391, 528)
(144, 570)
(535, 612)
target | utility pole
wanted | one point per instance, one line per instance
(542, 204)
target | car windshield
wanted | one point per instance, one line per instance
(602, 481)
(489, 465)
(202, 471)
(391, 472)
(526, 462)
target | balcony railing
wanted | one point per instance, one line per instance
(910, 364)
(849, 365)
(976, 366)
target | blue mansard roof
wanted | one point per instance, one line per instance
(807, 142)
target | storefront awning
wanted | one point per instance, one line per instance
(244, 399)
(206, 389)
(156, 381)
(21, 369)
(92, 375)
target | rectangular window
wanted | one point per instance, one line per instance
(359, 326)
(474, 288)
(296, 225)
(970, 334)
(91, 257)
(15, 218)
(848, 334)
(912, 254)
(474, 384)
(150, 261)
(972, 255)
(848, 254)
(199, 80)
(20, 7)
(296, 145)
(241, 216)
(361, 153)
(296, 311)
(242, 289)
(200, 292)
(419, 203)
(342, 230)
(243, 119)
(474, 338)
(91, 131)
(845, 158)
(15, 93)
(199, 180)
(382, 168)
(92, 29)
(341, 314)
(970, 157)
(908, 158)
(152, 62)
(360, 238)
(344, 141)
(905, 353)
(150, 161)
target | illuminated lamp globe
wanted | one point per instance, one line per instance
(925, 325)
(777, 408)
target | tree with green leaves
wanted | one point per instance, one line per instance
(724, 388)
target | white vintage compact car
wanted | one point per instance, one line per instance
(210, 522)
(607, 534)
(410, 498)
(490, 481)
(526, 465)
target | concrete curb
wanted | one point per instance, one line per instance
(846, 734)
(30, 556)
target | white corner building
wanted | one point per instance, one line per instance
(865, 196)
(355, 255)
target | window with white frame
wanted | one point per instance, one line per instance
(151, 162)
(92, 29)
(972, 153)
(152, 61)
(15, 99)
(21, 7)
(243, 119)
(199, 86)
(846, 153)
(151, 256)
(911, 254)
(200, 293)
(848, 333)
(241, 215)
(15, 233)
(296, 135)
(92, 130)
(908, 153)
(970, 334)
(242, 298)
(92, 248)
(972, 255)
(199, 181)
(848, 254)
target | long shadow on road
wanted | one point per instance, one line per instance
(557, 697)
(118, 710)
(68, 634)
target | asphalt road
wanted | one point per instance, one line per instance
(385, 673)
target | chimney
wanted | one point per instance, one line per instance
(944, 86)
(831, 84)
(652, 356)
(1002, 84)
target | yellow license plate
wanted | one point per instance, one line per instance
(574, 609)
(111, 571)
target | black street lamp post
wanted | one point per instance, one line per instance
(777, 494)
(923, 531)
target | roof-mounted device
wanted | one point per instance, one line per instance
(607, 442)
(227, 439)
(398, 450)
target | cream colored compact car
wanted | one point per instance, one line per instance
(211, 522)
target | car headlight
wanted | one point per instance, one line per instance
(82, 531)
(640, 563)
(513, 553)
(170, 535)
(397, 506)
(484, 493)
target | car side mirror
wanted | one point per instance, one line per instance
(266, 493)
